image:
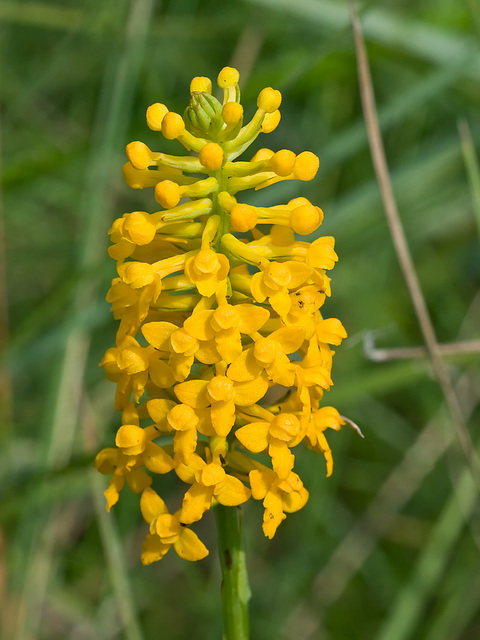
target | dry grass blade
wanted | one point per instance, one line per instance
(402, 249)
(465, 347)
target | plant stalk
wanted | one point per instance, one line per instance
(235, 588)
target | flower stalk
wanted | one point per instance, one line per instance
(235, 588)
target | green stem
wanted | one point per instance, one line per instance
(235, 587)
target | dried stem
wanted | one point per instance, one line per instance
(402, 250)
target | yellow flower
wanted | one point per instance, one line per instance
(222, 395)
(269, 354)
(122, 468)
(279, 435)
(324, 418)
(275, 280)
(212, 482)
(218, 304)
(279, 496)
(167, 530)
(225, 325)
(207, 270)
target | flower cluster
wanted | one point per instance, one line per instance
(222, 350)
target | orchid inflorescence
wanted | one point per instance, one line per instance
(222, 351)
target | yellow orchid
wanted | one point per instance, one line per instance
(269, 354)
(218, 304)
(212, 482)
(279, 434)
(278, 495)
(275, 280)
(225, 324)
(222, 395)
(123, 469)
(167, 530)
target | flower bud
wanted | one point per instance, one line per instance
(155, 114)
(203, 116)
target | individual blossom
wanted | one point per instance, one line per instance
(224, 350)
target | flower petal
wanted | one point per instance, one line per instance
(151, 505)
(193, 393)
(250, 392)
(157, 459)
(245, 367)
(158, 334)
(281, 302)
(252, 317)
(231, 492)
(289, 338)
(229, 344)
(282, 458)
(254, 436)
(223, 417)
(161, 374)
(198, 325)
(196, 501)
(273, 514)
(260, 482)
(157, 409)
(295, 500)
(185, 444)
(190, 547)
(153, 549)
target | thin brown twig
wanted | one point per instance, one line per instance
(402, 250)
(464, 347)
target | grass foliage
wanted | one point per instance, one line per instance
(388, 548)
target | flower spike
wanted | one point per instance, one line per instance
(205, 344)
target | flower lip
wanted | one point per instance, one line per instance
(220, 388)
(265, 350)
(285, 427)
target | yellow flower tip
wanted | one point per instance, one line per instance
(271, 121)
(263, 154)
(305, 219)
(105, 461)
(211, 156)
(269, 100)
(131, 439)
(226, 200)
(331, 331)
(139, 228)
(167, 193)
(228, 77)
(201, 84)
(167, 527)
(306, 166)
(137, 274)
(132, 177)
(285, 427)
(181, 417)
(265, 350)
(172, 125)
(243, 217)
(224, 317)
(139, 155)
(211, 474)
(155, 115)
(232, 113)
(220, 388)
(283, 162)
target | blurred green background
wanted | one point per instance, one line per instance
(388, 547)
